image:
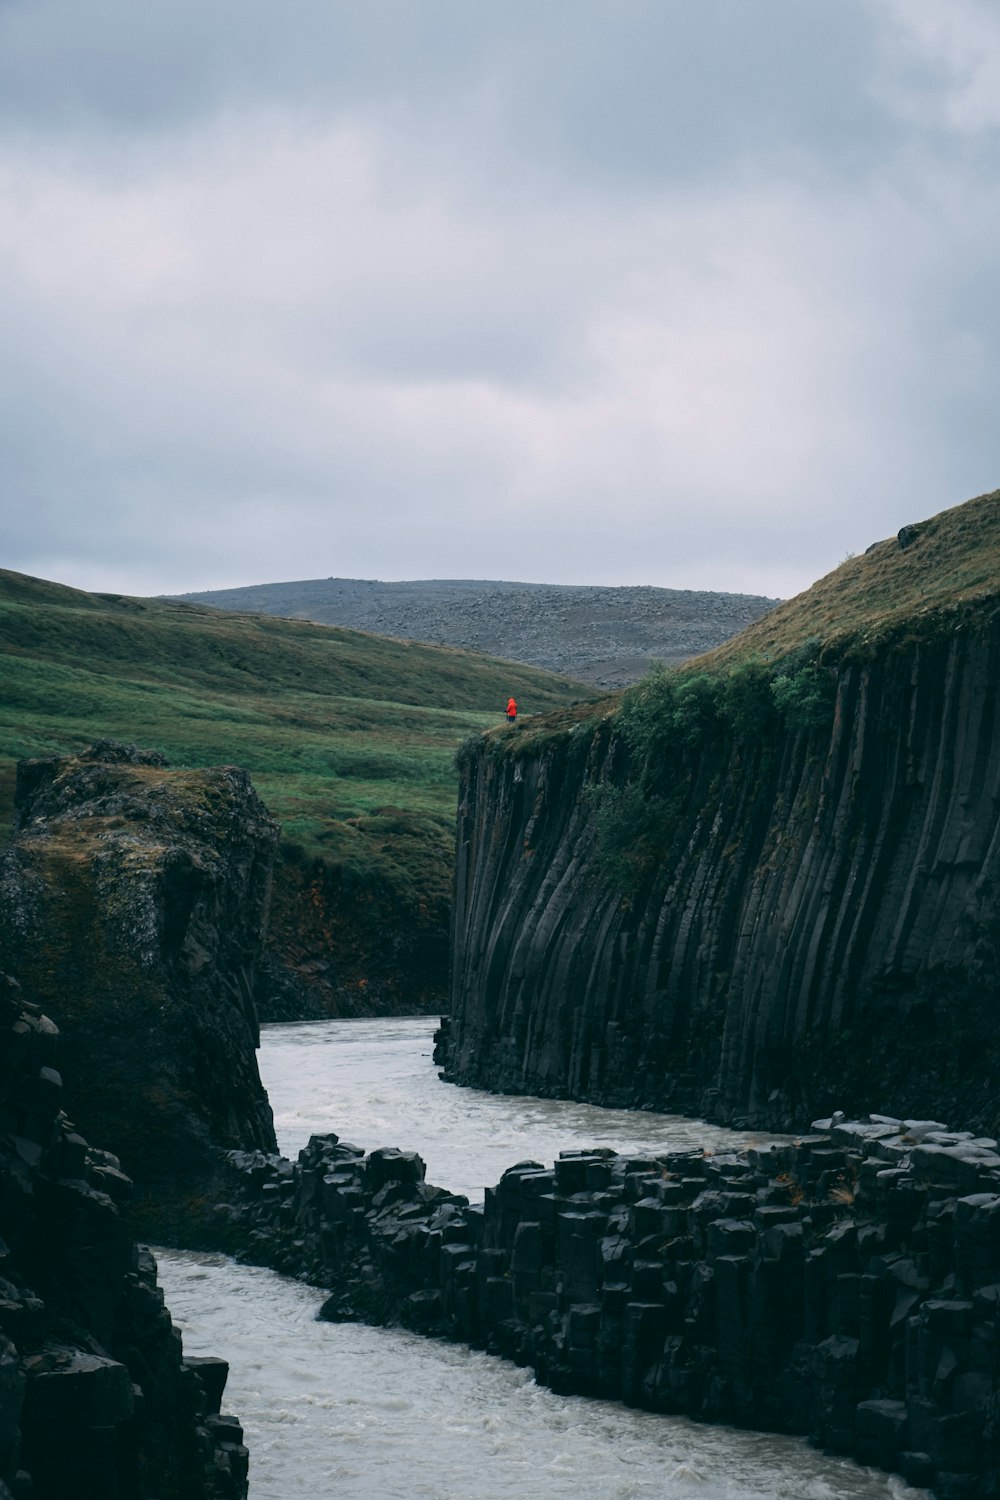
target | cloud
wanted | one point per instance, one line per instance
(944, 72)
(700, 296)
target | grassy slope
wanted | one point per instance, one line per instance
(951, 566)
(350, 738)
(949, 569)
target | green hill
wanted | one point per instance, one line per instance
(920, 582)
(350, 738)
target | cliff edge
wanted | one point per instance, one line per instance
(765, 884)
(133, 902)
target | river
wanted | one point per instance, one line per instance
(345, 1412)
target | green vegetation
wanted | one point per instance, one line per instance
(349, 738)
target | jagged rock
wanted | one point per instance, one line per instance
(134, 900)
(907, 535)
(95, 1397)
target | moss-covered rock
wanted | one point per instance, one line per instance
(133, 903)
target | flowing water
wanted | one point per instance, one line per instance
(345, 1412)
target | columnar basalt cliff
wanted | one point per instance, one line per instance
(134, 902)
(96, 1398)
(786, 898)
(844, 1286)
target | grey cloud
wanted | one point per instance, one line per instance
(690, 292)
(632, 92)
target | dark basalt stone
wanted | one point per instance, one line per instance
(867, 1317)
(96, 1399)
(818, 923)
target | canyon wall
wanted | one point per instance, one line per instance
(133, 904)
(818, 922)
(96, 1398)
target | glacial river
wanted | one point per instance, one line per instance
(344, 1412)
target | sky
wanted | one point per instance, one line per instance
(695, 293)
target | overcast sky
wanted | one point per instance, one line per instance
(699, 293)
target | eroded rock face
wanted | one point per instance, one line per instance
(96, 1398)
(133, 901)
(822, 922)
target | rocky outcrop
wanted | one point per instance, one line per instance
(844, 1286)
(133, 901)
(96, 1398)
(816, 918)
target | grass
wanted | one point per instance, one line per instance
(950, 567)
(350, 738)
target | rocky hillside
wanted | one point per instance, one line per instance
(604, 636)
(134, 902)
(767, 883)
(96, 1398)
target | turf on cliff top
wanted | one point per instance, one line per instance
(922, 584)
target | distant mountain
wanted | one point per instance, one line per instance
(605, 636)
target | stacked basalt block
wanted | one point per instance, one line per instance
(845, 1286)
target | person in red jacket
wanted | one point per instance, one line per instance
(511, 710)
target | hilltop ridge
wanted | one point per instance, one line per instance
(604, 636)
(921, 580)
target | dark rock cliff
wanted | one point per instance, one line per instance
(96, 1398)
(816, 915)
(133, 901)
